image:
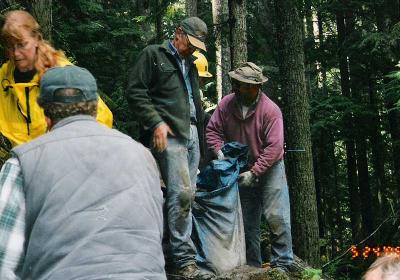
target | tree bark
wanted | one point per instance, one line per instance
(238, 13)
(158, 23)
(378, 153)
(299, 164)
(330, 220)
(309, 46)
(43, 12)
(355, 202)
(220, 11)
(357, 88)
(191, 8)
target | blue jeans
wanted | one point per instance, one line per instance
(270, 197)
(178, 165)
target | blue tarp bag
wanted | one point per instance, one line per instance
(218, 231)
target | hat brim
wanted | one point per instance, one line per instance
(205, 74)
(197, 43)
(239, 78)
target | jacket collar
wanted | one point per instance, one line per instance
(10, 74)
(165, 46)
(72, 119)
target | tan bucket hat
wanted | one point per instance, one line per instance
(248, 73)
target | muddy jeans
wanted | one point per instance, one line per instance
(178, 165)
(269, 197)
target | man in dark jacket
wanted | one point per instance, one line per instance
(163, 94)
(92, 194)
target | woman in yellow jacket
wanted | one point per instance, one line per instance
(21, 118)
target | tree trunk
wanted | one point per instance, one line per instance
(220, 11)
(238, 12)
(309, 48)
(299, 164)
(191, 8)
(326, 177)
(378, 154)
(355, 202)
(42, 11)
(357, 90)
(394, 122)
(158, 23)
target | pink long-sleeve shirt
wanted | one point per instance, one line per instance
(261, 130)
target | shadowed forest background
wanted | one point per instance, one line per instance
(332, 68)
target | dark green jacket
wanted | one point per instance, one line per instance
(157, 92)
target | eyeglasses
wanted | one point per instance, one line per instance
(21, 46)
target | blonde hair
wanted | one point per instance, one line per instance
(14, 23)
(389, 265)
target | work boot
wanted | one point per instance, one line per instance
(192, 271)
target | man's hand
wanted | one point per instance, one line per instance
(160, 141)
(246, 179)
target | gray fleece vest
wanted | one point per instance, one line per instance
(94, 205)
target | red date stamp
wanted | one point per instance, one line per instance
(373, 251)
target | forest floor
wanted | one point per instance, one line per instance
(266, 273)
(251, 273)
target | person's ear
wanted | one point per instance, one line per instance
(49, 123)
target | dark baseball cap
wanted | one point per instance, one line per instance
(196, 30)
(67, 77)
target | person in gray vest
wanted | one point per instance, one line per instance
(92, 194)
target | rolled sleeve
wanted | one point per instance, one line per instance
(12, 219)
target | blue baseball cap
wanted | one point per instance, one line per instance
(67, 77)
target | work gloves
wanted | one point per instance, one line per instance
(246, 179)
(220, 155)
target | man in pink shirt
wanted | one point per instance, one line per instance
(249, 117)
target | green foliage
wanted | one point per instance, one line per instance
(392, 89)
(311, 274)
(100, 36)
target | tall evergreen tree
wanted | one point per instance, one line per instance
(42, 10)
(220, 10)
(191, 8)
(296, 112)
(237, 20)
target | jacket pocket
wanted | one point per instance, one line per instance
(168, 79)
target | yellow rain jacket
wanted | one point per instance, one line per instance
(21, 118)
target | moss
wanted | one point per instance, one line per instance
(276, 274)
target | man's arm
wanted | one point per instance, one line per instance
(12, 219)
(140, 80)
(215, 132)
(273, 151)
(137, 92)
